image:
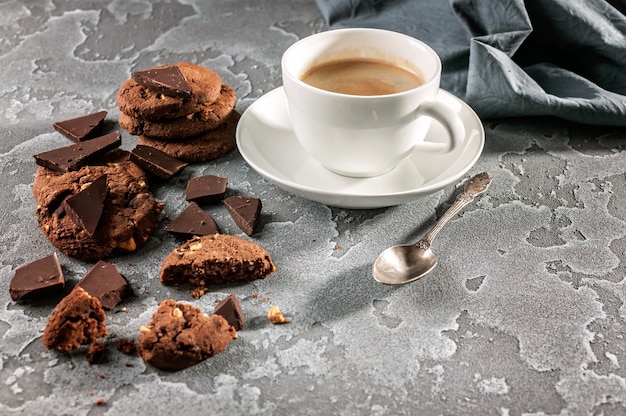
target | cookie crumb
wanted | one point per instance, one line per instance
(198, 292)
(275, 316)
(95, 352)
(126, 346)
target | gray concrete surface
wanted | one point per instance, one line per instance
(524, 315)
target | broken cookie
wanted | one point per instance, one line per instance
(77, 320)
(215, 259)
(181, 335)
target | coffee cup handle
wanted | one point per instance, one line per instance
(451, 122)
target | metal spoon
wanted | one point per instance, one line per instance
(405, 263)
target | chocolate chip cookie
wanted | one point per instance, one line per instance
(140, 102)
(130, 213)
(209, 117)
(205, 147)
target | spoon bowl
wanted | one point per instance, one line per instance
(403, 264)
(407, 263)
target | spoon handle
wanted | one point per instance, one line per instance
(474, 187)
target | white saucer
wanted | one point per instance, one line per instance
(266, 141)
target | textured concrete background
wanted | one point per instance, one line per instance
(524, 314)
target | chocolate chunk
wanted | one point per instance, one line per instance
(206, 189)
(245, 211)
(156, 162)
(85, 208)
(167, 80)
(230, 309)
(105, 283)
(37, 279)
(193, 221)
(73, 157)
(80, 128)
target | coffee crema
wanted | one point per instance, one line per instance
(361, 76)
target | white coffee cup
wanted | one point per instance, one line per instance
(366, 135)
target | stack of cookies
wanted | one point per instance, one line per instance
(184, 110)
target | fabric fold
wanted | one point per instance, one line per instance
(514, 58)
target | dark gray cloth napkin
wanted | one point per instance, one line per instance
(509, 58)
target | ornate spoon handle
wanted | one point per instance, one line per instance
(474, 187)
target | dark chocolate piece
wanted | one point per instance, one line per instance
(156, 162)
(75, 156)
(104, 282)
(193, 221)
(230, 309)
(80, 128)
(167, 80)
(37, 279)
(245, 211)
(85, 208)
(206, 189)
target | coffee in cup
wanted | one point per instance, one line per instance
(359, 76)
(361, 100)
